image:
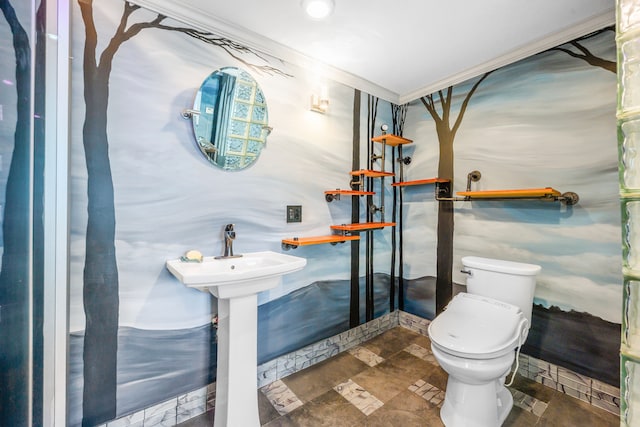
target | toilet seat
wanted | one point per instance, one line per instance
(477, 327)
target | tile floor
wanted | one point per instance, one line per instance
(393, 380)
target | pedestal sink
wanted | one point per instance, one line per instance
(236, 283)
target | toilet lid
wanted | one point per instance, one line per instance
(476, 327)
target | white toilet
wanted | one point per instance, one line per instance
(475, 340)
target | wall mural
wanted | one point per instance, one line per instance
(446, 135)
(100, 278)
(138, 337)
(141, 193)
(544, 121)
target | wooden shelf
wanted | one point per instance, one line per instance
(362, 226)
(370, 173)
(391, 140)
(316, 240)
(511, 194)
(419, 182)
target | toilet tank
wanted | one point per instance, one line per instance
(508, 281)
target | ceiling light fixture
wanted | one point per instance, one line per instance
(318, 9)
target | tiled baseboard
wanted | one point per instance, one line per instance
(581, 387)
(168, 413)
(184, 407)
(322, 350)
(189, 405)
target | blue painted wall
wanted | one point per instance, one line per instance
(545, 121)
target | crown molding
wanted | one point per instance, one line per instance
(597, 22)
(188, 14)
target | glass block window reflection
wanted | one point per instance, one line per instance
(248, 121)
(259, 114)
(253, 147)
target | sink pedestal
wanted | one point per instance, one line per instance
(237, 373)
(236, 282)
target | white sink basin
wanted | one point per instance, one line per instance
(231, 277)
(236, 282)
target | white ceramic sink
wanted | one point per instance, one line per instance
(236, 283)
(231, 277)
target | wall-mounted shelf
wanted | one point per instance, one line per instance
(362, 226)
(419, 182)
(334, 239)
(526, 193)
(370, 173)
(316, 240)
(348, 231)
(331, 195)
(443, 193)
(391, 140)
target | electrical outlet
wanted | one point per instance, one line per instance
(294, 213)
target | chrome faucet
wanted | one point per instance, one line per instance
(229, 237)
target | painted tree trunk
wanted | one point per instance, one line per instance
(100, 291)
(445, 220)
(446, 136)
(354, 293)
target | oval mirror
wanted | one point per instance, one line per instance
(230, 119)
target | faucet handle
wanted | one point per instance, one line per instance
(229, 236)
(229, 232)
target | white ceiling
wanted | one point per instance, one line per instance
(397, 50)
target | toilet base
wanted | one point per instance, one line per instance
(475, 405)
(505, 403)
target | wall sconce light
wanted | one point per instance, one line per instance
(319, 104)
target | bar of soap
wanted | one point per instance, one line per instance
(193, 256)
